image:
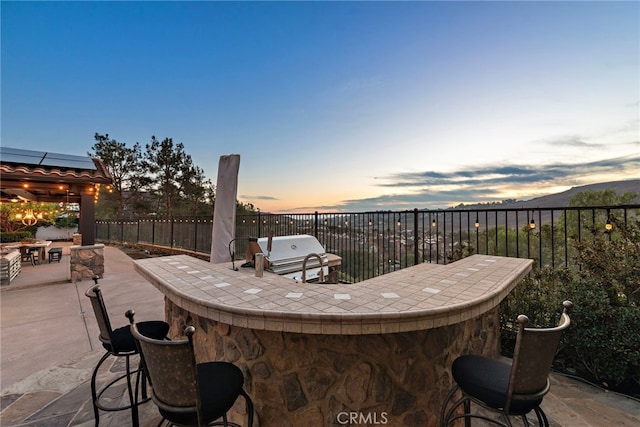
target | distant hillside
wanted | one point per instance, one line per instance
(559, 200)
(562, 199)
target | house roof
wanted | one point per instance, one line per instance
(48, 177)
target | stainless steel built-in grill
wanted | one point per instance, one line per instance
(287, 255)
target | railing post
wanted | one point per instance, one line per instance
(529, 231)
(315, 224)
(517, 236)
(171, 233)
(415, 237)
(476, 225)
(496, 250)
(553, 249)
(540, 236)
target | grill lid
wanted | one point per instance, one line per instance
(288, 253)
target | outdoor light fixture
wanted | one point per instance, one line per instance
(399, 223)
(433, 223)
(477, 224)
(608, 226)
(370, 222)
(532, 224)
(29, 218)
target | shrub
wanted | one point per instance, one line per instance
(603, 343)
(66, 222)
(16, 236)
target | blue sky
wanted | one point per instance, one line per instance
(339, 106)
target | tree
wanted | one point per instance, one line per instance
(162, 179)
(124, 165)
(581, 224)
(10, 213)
(166, 164)
(195, 188)
(602, 198)
(604, 344)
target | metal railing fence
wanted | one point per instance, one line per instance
(375, 243)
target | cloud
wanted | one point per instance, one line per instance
(571, 141)
(248, 197)
(432, 189)
(510, 174)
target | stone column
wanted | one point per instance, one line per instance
(86, 262)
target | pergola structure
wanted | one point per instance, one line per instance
(38, 176)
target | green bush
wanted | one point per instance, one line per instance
(603, 342)
(66, 222)
(16, 236)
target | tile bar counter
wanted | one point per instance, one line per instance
(374, 352)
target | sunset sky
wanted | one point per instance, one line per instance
(338, 106)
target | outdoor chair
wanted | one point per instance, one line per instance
(120, 343)
(55, 254)
(189, 393)
(35, 255)
(26, 255)
(510, 389)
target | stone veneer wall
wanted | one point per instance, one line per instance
(297, 380)
(86, 262)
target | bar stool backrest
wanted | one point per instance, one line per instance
(533, 356)
(102, 317)
(171, 367)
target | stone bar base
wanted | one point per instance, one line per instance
(332, 380)
(86, 262)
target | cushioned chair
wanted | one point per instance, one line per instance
(120, 343)
(186, 393)
(515, 388)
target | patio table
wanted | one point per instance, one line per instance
(40, 245)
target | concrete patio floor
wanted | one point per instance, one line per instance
(49, 346)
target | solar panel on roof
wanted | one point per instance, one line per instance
(32, 157)
(25, 160)
(16, 155)
(20, 151)
(68, 161)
